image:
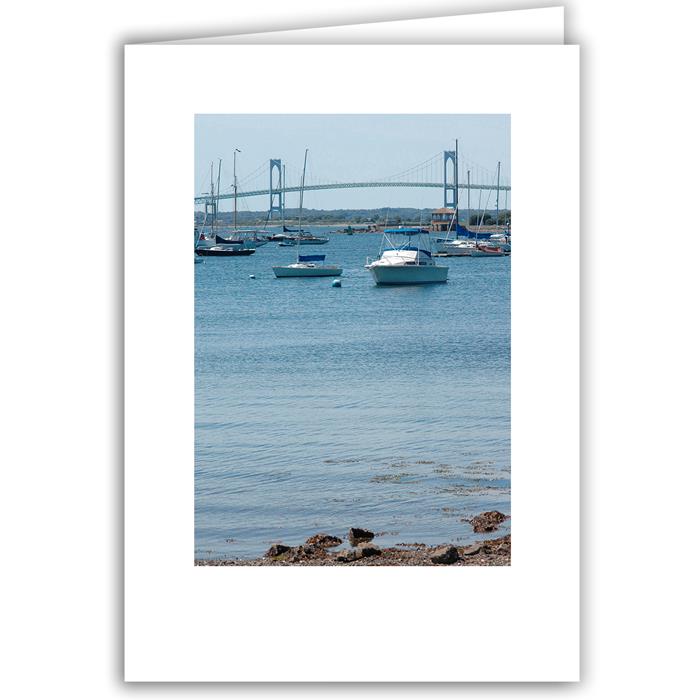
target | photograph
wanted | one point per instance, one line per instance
(352, 340)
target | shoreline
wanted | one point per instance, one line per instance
(485, 553)
(324, 550)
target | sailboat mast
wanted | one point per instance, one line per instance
(480, 221)
(284, 186)
(211, 178)
(456, 188)
(469, 198)
(498, 188)
(301, 201)
(506, 209)
(235, 191)
(216, 207)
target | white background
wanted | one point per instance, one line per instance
(60, 513)
(186, 623)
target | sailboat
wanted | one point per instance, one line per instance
(502, 238)
(248, 238)
(299, 237)
(484, 250)
(304, 238)
(196, 237)
(210, 245)
(459, 245)
(306, 265)
(284, 234)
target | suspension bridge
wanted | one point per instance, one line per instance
(443, 171)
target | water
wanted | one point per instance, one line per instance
(321, 408)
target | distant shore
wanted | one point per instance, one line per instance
(342, 227)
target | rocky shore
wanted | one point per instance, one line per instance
(325, 550)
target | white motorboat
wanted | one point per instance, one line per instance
(306, 265)
(455, 247)
(406, 263)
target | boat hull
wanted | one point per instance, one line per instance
(454, 251)
(283, 271)
(386, 275)
(488, 253)
(304, 241)
(240, 242)
(314, 241)
(221, 253)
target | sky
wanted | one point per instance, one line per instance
(349, 148)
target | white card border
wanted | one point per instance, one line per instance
(297, 624)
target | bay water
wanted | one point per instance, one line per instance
(321, 408)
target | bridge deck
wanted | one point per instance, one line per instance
(348, 185)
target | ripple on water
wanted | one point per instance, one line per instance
(385, 408)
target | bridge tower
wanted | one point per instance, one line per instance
(276, 188)
(450, 185)
(211, 211)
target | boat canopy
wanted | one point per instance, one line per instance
(227, 241)
(463, 232)
(312, 258)
(404, 231)
(405, 256)
(412, 247)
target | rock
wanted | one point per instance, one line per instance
(357, 534)
(276, 550)
(445, 555)
(323, 540)
(347, 555)
(307, 552)
(364, 550)
(499, 546)
(474, 549)
(487, 522)
(368, 550)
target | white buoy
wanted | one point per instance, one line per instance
(251, 277)
(336, 283)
